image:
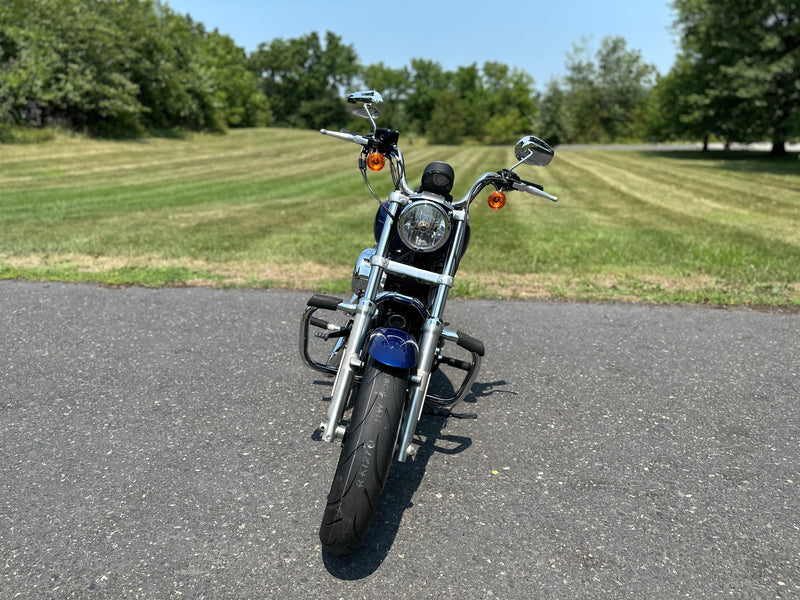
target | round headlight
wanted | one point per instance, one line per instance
(423, 226)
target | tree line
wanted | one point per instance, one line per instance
(737, 75)
(121, 67)
(125, 67)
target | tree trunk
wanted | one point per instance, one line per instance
(778, 149)
(705, 143)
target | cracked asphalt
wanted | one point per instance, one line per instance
(161, 444)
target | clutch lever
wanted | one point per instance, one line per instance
(347, 137)
(533, 189)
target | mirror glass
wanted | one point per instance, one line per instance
(366, 96)
(533, 151)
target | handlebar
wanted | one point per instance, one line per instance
(534, 189)
(502, 179)
(511, 180)
(348, 137)
(538, 186)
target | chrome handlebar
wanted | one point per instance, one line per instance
(467, 199)
(499, 180)
(533, 191)
(348, 137)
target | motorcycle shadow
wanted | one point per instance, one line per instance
(403, 482)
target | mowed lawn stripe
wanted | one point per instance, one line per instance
(717, 187)
(681, 200)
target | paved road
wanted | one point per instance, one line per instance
(159, 444)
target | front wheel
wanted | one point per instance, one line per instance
(367, 451)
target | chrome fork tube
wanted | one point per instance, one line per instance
(429, 341)
(347, 369)
(351, 357)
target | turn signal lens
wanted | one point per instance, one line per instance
(375, 161)
(497, 200)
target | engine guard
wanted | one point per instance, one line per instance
(324, 330)
(386, 350)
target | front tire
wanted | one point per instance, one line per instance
(367, 451)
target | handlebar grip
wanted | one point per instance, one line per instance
(347, 137)
(536, 185)
(534, 189)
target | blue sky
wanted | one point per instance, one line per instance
(534, 36)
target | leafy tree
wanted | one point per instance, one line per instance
(492, 103)
(428, 80)
(511, 102)
(681, 109)
(624, 81)
(22, 73)
(118, 67)
(601, 98)
(395, 87)
(747, 56)
(177, 89)
(234, 87)
(300, 76)
(447, 124)
(68, 65)
(193, 78)
(555, 122)
(581, 88)
(468, 83)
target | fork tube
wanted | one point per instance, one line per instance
(437, 309)
(429, 339)
(351, 361)
(346, 372)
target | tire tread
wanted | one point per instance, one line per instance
(349, 510)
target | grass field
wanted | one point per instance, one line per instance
(288, 208)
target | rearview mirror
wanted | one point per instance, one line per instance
(533, 151)
(365, 96)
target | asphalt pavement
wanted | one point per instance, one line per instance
(161, 444)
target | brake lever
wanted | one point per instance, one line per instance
(512, 181)
(534, 190)
(530, 183)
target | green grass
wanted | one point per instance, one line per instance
(273, 207)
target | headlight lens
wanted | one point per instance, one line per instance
(424, 226)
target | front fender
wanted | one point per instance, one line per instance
(393, 347)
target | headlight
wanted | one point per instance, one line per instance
(423, 226)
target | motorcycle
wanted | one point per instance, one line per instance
(392, 336)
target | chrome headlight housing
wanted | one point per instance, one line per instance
(424, 226)
(362, 270)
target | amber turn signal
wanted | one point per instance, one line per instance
(375, 161)
(497, 200)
